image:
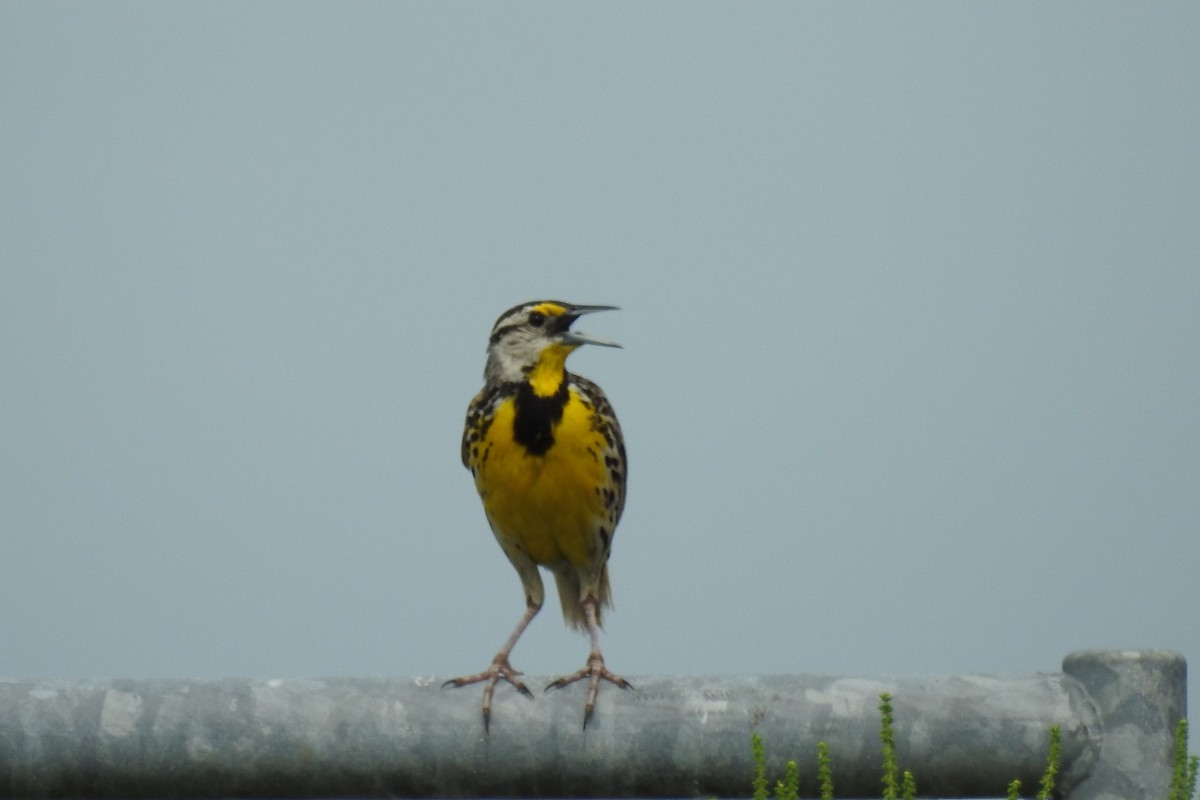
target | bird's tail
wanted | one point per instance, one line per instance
(571, 593)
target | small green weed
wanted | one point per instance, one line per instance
(897, 784)
(760, 767)
(1185, 768)
(789, 787)
(825, 771)
(887, 735)
(1052, 761)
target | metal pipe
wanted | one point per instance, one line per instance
(678, 736)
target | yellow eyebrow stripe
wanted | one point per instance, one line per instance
(550, 309)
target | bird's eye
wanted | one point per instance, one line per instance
(536, 319)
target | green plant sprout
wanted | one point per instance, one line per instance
(825, 771)
(907, 784)
(1052, 759)
(789, 787)
(897, 785)
(1184, 768)
(760, 767)
(887, 735)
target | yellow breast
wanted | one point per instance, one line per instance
(550, 505)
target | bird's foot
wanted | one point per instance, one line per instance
(500, 668)
(594, 671)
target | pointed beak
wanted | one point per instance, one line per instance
(579, 337)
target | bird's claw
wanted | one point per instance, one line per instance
(594, 671)
(500, 668)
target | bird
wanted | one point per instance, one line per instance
(548, 459)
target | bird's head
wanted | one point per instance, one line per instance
(531, 342)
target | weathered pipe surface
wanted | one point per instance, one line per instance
(685, 736)
(1140, 696)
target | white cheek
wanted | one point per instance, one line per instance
(513, 357)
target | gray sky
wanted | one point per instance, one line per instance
(909, 311)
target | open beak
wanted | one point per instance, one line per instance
(579, 337)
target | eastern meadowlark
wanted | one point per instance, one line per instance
(548, 459)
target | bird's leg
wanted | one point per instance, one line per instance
(500, 668)
(594, 670)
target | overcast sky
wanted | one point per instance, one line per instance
(909, 306)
